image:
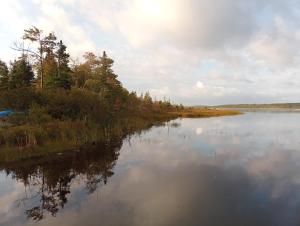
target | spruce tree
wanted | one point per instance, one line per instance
(4, 79)
(21, 74)
(63, 69)
(50, 70)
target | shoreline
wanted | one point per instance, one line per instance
(205, 112)
(89, 134)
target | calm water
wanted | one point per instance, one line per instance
(229, 171)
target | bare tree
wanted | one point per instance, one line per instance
(44, 44)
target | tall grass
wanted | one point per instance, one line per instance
(31, 140)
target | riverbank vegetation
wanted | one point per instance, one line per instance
(62, 105)
(203, 112)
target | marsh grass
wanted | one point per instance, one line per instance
(33, 140)
(203, 112)
(27, 141)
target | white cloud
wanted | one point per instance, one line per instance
(199, 131)
(279, 47)
(213, 90)
(164, 45)
(199, 85)
(201, 24)
(12, 22)
(54, 17)
(161, 92)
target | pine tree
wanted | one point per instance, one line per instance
(111, 88)
(4, 79)
(106, 72)
(50, 70)
(103, 80)
(108, 79)
(21, 74)
(63, 69)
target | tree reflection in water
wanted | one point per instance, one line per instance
(48, 180)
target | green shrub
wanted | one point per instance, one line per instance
(38, 115)
(18, 99)
(18, 119)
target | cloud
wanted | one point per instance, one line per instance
(54, 17)
(200, 85)
(161, 92)
(199, 131)
(200, 89)
(189, 24)
(249, 48)
(277, 48)
(13, 19)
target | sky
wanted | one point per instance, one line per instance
(195, 52)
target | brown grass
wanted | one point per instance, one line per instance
(204, 112)
(26, 141)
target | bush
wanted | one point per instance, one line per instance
(18, 119)
(22, 136)
(38, 115)
(74, 104)
(18, 99)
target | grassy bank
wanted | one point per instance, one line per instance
(36, 140)
(203, 112)
(27, 141)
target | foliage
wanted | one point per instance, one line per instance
(63, 69)
(60, 102)
(4, 78)
(18, 99)
(46, 44)
(50, 70)
(21, 74)
(38, 115)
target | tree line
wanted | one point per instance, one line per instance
(43, 81)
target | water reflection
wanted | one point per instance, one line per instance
(47, 181)
(199, 131)
(242, 170)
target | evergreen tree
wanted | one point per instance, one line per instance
(21, 74)
(148, 98)
(63, 69)
(105, 70)
(111, 88)
(4, 79)
(103, 80)
(106, 76)
(50, 70)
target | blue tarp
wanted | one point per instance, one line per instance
(6, 113)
